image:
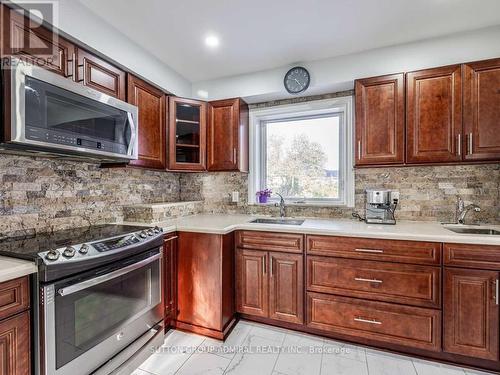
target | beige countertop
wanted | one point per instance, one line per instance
(11, 268)
(403, 230)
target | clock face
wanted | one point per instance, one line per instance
(297, 80)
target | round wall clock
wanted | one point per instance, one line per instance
(297, 80)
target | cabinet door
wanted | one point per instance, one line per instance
(380, 120)
(152, 123)
(471, 313)
(482, 110)
(286, 287)
(170, 277)
(252, 282)
(227, 144)
(434, 115)
(100, 75)
(187, 134)
(15, 355)
(32, 42)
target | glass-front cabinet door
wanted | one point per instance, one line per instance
(187, 134)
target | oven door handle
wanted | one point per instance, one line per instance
(109, 276)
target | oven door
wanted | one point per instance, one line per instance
(90, 318)
(52, 112)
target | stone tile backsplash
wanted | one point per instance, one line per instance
(38, 194)
(427, 193)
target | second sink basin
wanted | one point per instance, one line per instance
(468, 230)
(278, 221)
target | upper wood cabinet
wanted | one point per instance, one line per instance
(227, 141)
(100, 75)
(434, 115)
(380, 120)
(187, 134)
(471, 319)
(30, 41)
(482, 110)
(152, 123)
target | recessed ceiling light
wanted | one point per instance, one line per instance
(212, 41)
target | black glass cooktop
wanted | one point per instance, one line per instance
(27, 247)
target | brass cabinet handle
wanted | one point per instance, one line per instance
(359, 150)
(271, 266)
(471, 144)
(171, 239)
(369, 321)
(368, 280)
(369, 250)
(459, 145)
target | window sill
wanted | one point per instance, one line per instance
(306, 204)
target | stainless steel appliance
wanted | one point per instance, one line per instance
(380, 206)
(51, 114)
(100, 305)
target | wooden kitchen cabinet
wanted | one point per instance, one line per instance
(15, 344)
(152, 133)
(481, 92)
(471, 314)
(100, 75)
(380, 120)
(170, 277)
(227, 135)
(187, 134)
(15, 357)
(434, 115)
(270, 284)
(34, 43)
(286, 287)
(205, 284)
(252, 283)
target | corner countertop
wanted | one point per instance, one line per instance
(403, 230)
(11, 268)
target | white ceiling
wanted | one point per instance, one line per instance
(262, 34)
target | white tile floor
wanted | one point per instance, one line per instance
(256, 349)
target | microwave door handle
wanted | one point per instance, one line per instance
(109, 276)
(133, 133)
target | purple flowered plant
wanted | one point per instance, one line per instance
(263, 195)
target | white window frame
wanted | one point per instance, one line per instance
(257, 152)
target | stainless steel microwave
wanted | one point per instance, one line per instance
(52, 114)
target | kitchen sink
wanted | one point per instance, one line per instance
(278, 221)
(487, 231)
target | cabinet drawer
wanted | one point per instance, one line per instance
(373, 249)
(472, 256)
(14, 296)
(400, 325)
(287, 242)
(381, 281)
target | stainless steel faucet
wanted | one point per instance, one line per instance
(281, 206)
(463, 210)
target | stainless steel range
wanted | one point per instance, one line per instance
(100, 305)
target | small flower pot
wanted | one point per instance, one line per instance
(263, 198)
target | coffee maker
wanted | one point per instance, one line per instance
(380, 206)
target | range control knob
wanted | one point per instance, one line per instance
(69, 252)
(158, 229)
(52, 255)
(151, 232)
(143, 234)
(84, 249)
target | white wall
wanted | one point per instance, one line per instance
(79, 22)
(338, 73)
